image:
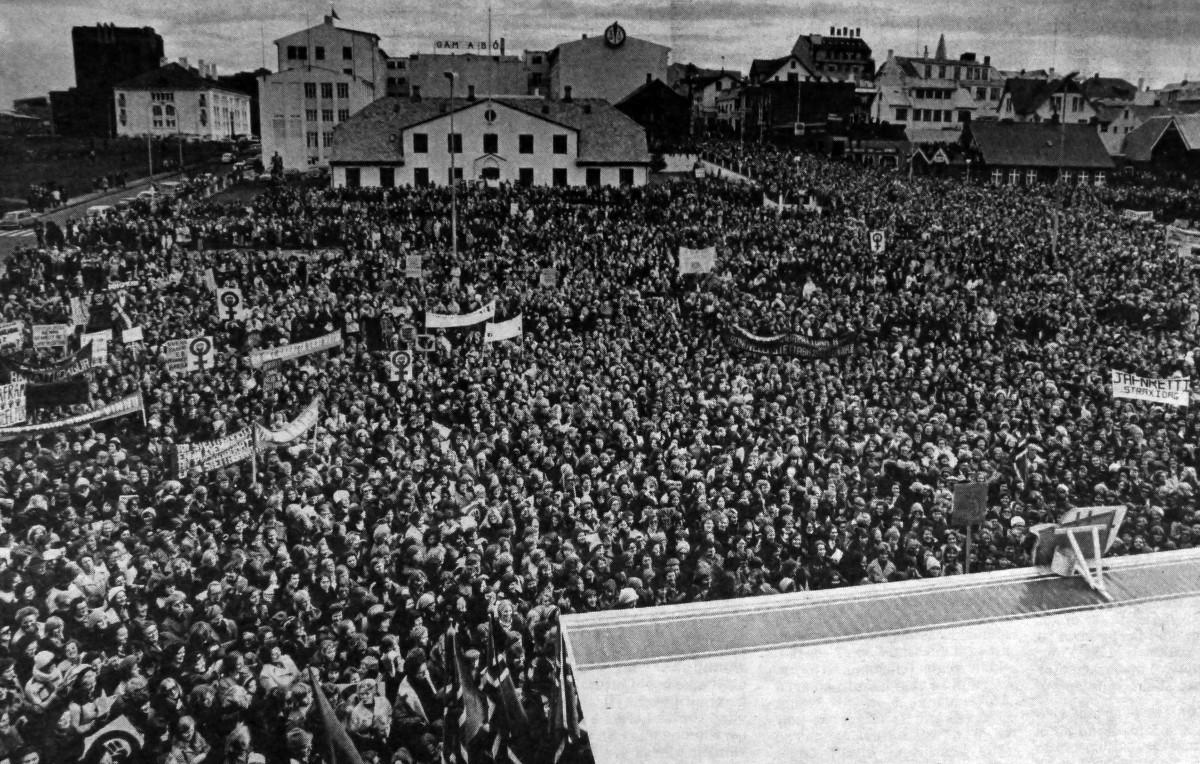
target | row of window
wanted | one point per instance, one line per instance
(162, 97)
(1082, 177)
(326, 139)
(558, 177)
(491, 143)
(971, 72)
(343, 89)
(300, 53)
(986, 94)
(933, 94)
(928, 115)
(310, 115)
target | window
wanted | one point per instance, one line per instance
(928, 71)
(162, 97)
(343, 115)
(327, 90)
(421, 176)
(1066, 177)
(1099, 178)
(995, 94)
(593, 176)
(625, 176)
(490, 173)
(203, 100)
(454, 143)
(347, 53)
(537, 59)
(560, 144)
(310, 90)
(491, 143)
(980, 94)
(348, 71)
(353, 177)
(313, 160)
(343, 90)
(1030, 177)
(319, 52)
(525, 176)
(1083, 177)
(326, 115)
(793, 77)
(387, 177)
(156, 117)
(947, 116)
(942, 72)
(310, 115)
(998, 177)
(312, 139)
(1014, 177)
(560, 177)
(420, 143)
(125, 118)
(454, 174)
(327, 138)
(1103, 128)
(901, 114)
(937, 115)
(297, 53)
(121, 101)
(525, 143)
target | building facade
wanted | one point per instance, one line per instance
(326, 73)
(937, 92)
(608, 66)
(527, 141)
(176, 100)
(104, 55)
(1030, 154)
(842, 55)
(487, 75)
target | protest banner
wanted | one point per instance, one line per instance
(47, 336)
(413, 266)
(503, 330)
(210, 280)
(402, 365)
(297, 349)
(548, 278)
(71, 366)
(272, 376)
(878, 241)
(128, 405)
(231, 306)
(454, 321)
(697, 260)
(12, 404)
(293, 430)
(79, 311)
(12, 335)
(131, 336)
(214, 454)
(1173, 391)
(796, 345)
(99, 342)
(67, 392)
(1142, 216)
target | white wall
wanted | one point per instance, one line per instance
(206, 114)
(285, 112)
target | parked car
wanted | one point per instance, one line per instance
(100, 210)
(18, 219)
(126, 203)
(227, 157)
(149, 193)
(170, 187)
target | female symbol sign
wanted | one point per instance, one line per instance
(198, 350)
(233, 301)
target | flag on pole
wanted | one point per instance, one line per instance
(338, 747)
(566, 717)
(466, 708)
(507, 722)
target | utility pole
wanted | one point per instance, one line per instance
(453, 179)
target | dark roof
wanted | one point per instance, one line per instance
(1108, 87)
(655, 89)
(605, 134)
(1027, 144)
(761, 67)
(1139, 144)
(173, 76)
(1029, 94)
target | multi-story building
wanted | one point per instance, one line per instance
(937, 92)
(180, 101)
(1043, 100)
(488, 74)
(842, 55)
(325, 74)
(523, 140)
(608, 66)
(104, 55)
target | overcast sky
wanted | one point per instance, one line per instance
(1151, 39)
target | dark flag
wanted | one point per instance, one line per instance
(68, 392)
(338, 748)
(466, 708)
(507, 722)
(566, 716)
(372, 332)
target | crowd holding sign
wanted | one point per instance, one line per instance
(297, 349)
(12, 335)
(214, 454)
(12, 404)
(73, 365)
(450, 321)
(48, 336)
(1173, 391)
(128, 405)
(231, 306)
(789, 344)
(503, 330)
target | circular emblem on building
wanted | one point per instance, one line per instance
(490, 116)
(614, 36)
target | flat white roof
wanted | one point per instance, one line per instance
(1013, 666)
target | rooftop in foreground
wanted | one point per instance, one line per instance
(1010, 666)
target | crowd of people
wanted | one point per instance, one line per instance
(621, 453)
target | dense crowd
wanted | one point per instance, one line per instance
(619, 454)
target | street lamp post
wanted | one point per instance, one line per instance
(453, 180)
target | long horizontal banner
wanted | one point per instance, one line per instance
(504, 330)
(72, 366)
(796, 345)
(456, 321)
(1144, 216)
(297, 349)
(68, 392)
(1172, 391)
(293, 430)
(214, 454)
(113, 410)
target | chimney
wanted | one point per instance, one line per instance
(1141, 82)
(416, 93)
(470, 92)
(584, 37)
(1052, 72)
(926, 52)
(183, 62)
(650, 78)
(587, 108)
(891, 53)
(845, 31)
(858, 31)
(567, 93)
